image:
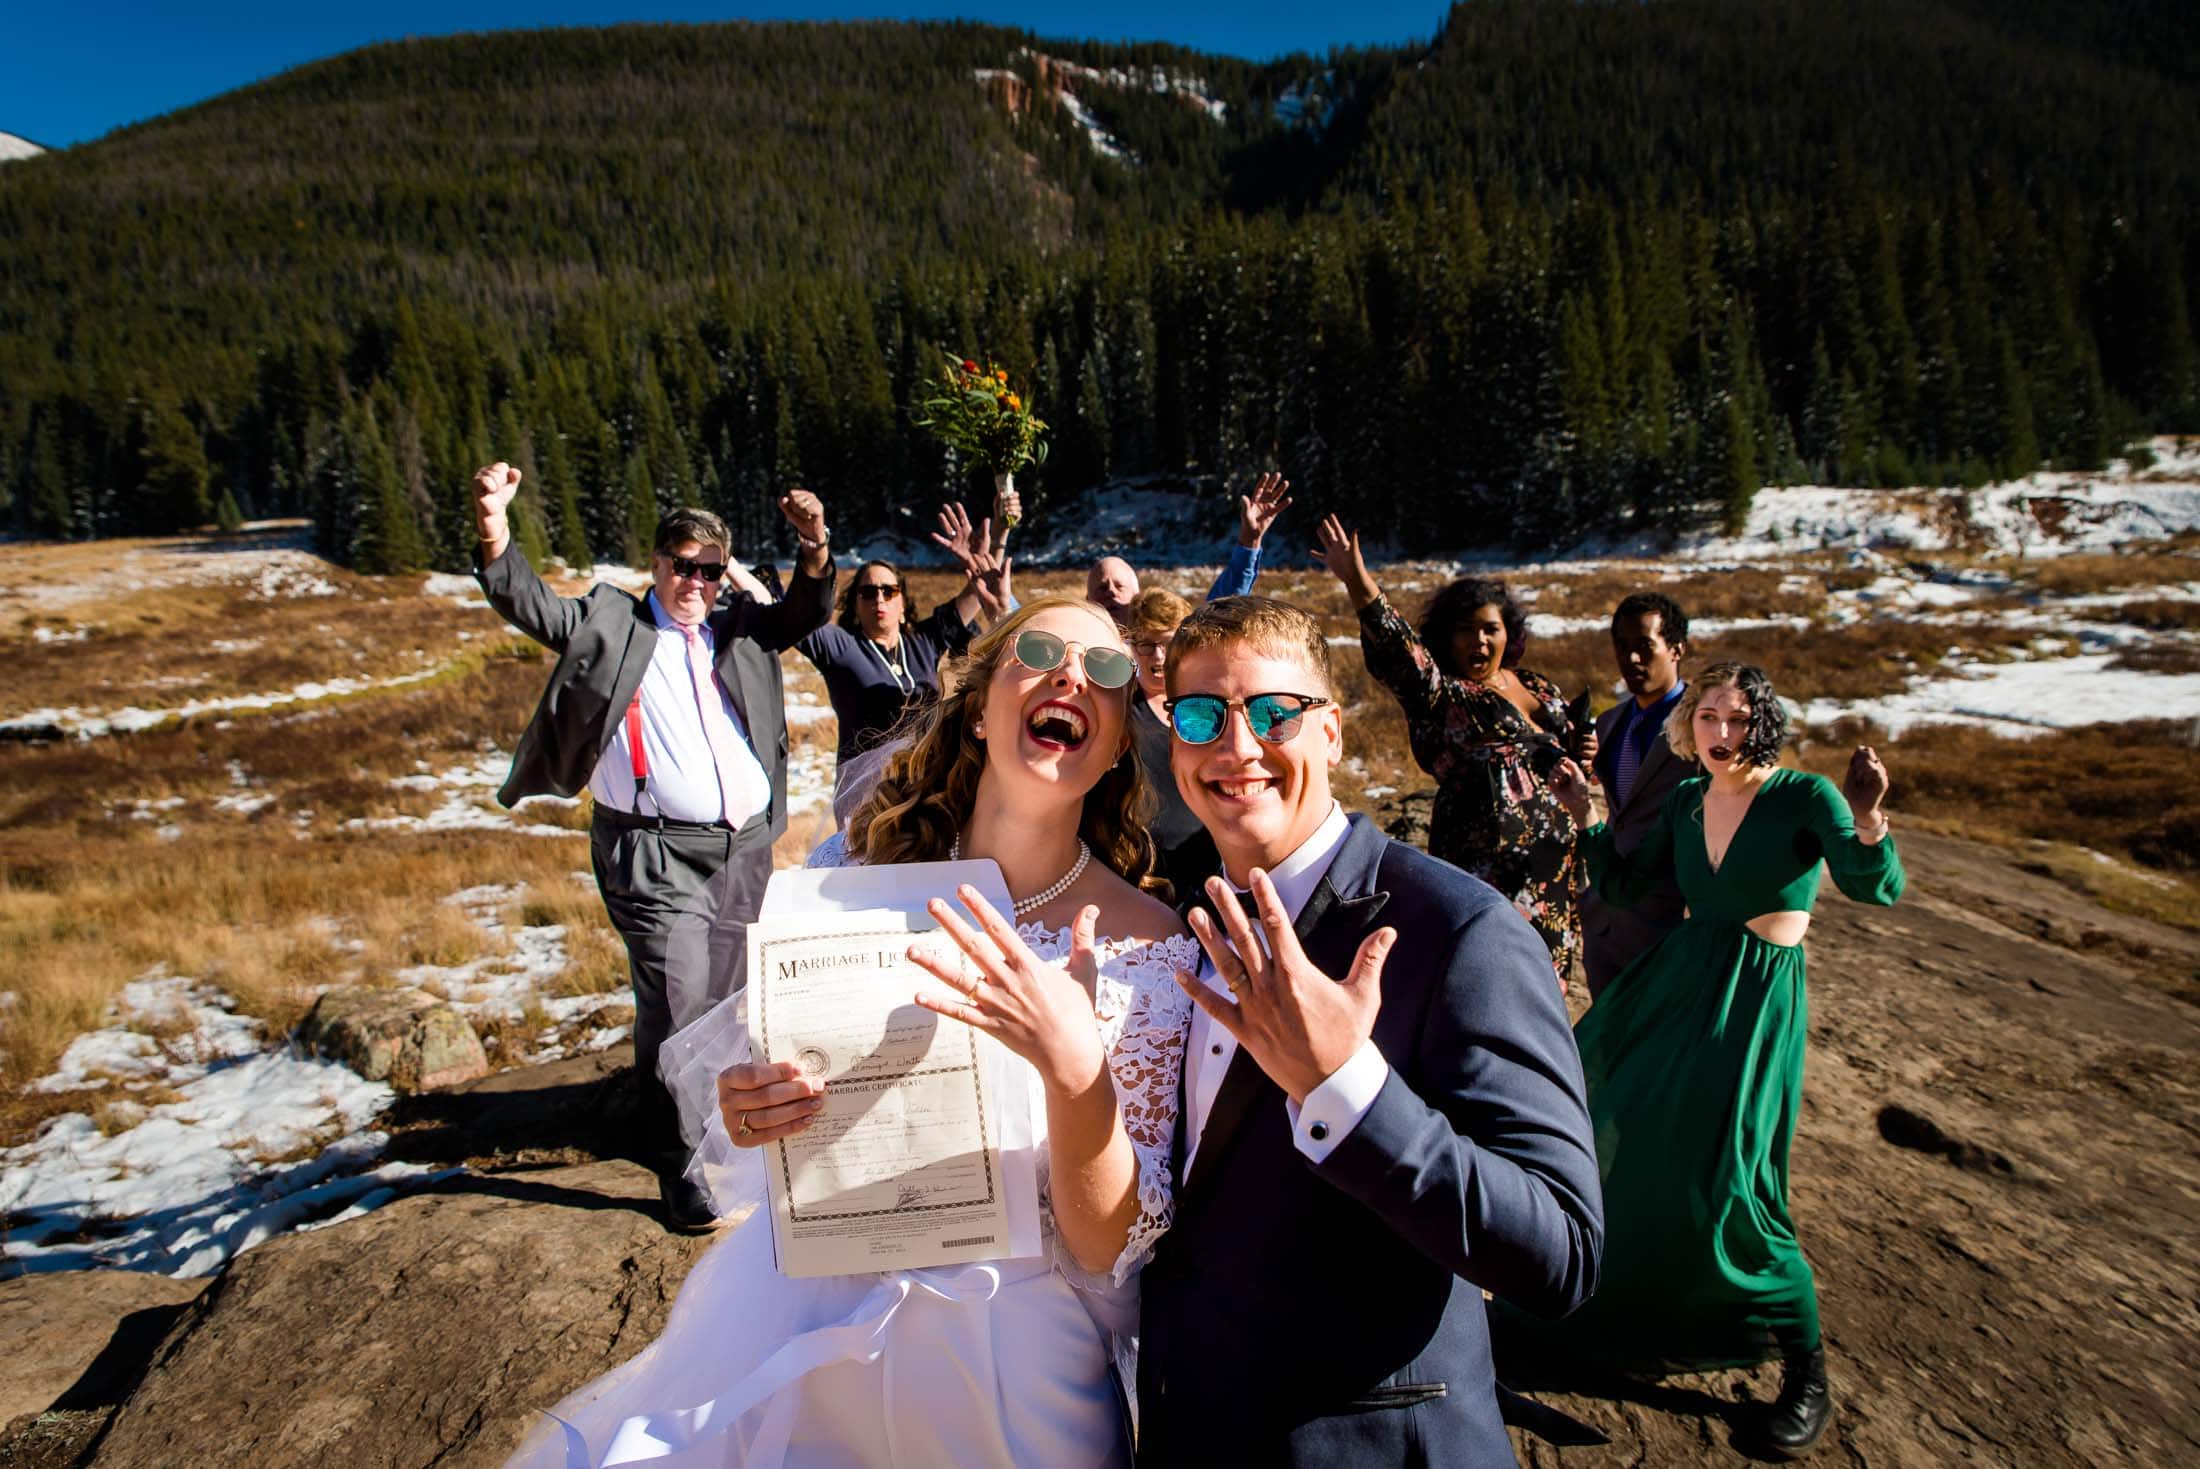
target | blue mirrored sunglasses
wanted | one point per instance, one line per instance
(1273, 718)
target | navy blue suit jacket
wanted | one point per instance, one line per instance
(1333, 1315)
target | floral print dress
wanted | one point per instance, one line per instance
(1495, 816)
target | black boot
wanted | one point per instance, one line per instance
(1797, 1418)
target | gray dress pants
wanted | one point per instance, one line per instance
(670, 888)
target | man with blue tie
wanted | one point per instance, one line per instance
(1638, 769)
(670, 709)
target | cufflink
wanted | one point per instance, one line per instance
(1319, 1132)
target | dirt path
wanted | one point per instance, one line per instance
(1995, 1180)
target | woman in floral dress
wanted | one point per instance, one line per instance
(1490, 731)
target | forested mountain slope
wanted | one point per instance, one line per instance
(1568, 263)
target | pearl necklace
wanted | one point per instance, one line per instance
(1040, 899)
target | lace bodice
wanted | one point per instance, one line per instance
(1145, 1017)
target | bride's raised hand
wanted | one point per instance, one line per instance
(1041, 1011)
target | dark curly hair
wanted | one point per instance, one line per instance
(847, 617)
(1768, 719)
(1449, 610)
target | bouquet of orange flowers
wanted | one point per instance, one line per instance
(973, 411)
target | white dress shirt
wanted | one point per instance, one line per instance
(683, 775)
(1335, 1107)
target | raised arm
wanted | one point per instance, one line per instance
(1859, 848)
(1256, 513)
(1391, 648)
(809, 599)
(973, 550)
(1044, 1013)
(510, 584)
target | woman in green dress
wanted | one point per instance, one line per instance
(1694, 1053)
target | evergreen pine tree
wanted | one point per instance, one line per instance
(172, 468)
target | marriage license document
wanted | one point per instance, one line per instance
(904, 1167)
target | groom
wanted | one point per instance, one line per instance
(1383, 1111)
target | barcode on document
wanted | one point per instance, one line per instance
(956, 1244)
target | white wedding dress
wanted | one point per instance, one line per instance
(1002, 1364)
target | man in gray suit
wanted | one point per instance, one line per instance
(670, 709)
(1638, 769)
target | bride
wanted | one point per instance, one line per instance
(1027, 762)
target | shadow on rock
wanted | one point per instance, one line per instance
(563, 1112)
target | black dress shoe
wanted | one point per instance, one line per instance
(1797, 1418)
(688, 1210)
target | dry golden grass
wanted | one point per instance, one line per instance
(2161, 615)
(171, 645)
(275, 904)
(1757, 592)
(2082, 575)
(2129, 790)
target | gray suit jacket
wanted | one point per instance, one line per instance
(604, 641)
(1331, 1314)
(1613, 936)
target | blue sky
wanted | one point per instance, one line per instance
(71, 72)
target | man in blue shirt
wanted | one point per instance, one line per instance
(1637, 769)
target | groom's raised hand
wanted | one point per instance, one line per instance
(1299, 1024)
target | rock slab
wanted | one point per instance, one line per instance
(78, 1338)
(428, 1332)
(403, 1037)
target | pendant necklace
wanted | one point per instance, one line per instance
(897, 667)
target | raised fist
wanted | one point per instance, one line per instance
(805, 512)
(494, 488)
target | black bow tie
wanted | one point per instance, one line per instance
(1245, 904)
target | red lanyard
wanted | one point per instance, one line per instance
(634, 749)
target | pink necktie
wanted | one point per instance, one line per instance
(717, 727)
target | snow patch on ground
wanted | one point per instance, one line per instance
(810, 770)
(2025, 698)
(84, 725)
(804, 707)
(2045, 514)
(463, 590)
(180, 1184)
(471, 802)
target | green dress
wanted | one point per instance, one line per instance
(1694, 1060)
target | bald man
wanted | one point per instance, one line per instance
(1114, 585)
(1113, 582)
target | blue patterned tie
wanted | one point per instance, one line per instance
(1625, 762)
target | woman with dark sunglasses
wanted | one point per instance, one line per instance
(878, 664)
(1025, 760)
(1490, 731)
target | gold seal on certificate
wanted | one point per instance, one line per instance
(904, 1167)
